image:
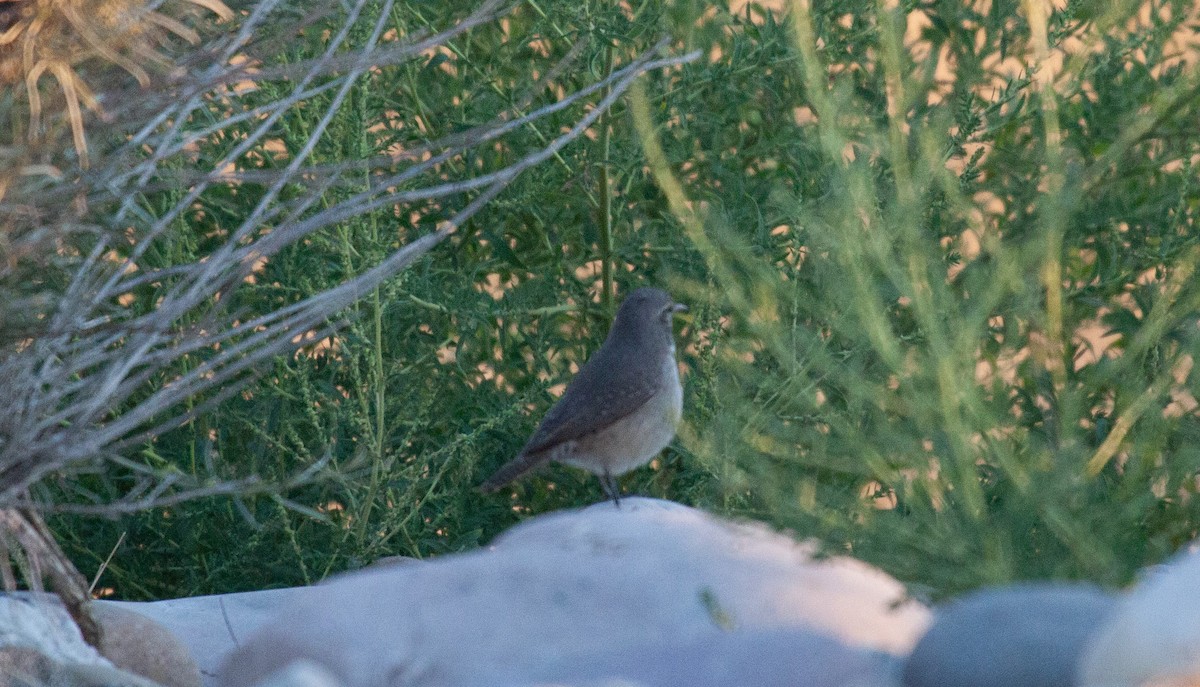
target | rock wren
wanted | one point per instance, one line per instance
(623, 406)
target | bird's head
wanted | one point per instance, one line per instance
(648, 309)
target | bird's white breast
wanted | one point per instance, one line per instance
(636, 438)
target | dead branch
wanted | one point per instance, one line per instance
(87, 359)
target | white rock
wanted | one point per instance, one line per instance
(773, 657)
(1153, 638)
(590, 583)
(301, 673)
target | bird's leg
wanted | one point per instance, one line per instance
(611, 489)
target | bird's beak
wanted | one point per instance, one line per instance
(679, 307)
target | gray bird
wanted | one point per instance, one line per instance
(623, 406)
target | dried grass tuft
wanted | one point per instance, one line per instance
(78, 42)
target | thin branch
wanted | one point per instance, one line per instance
(95, 355)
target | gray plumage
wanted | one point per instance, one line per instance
(622, 407)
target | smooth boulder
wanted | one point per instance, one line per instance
(778, 658)
(1027, 634)
(140, 645)
(1153, 637)
(562, 591)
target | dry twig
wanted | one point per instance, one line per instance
(83, 371)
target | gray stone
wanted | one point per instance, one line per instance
(1029, 635)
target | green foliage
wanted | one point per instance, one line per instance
(895, 280)
(441, 374)
(966, 310)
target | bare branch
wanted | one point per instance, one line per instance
(93, 377)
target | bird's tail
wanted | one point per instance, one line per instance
(512, 470)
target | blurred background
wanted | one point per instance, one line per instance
(939, 256)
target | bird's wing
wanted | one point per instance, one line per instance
(607, 388)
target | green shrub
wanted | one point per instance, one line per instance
(965, 304)
(896, 281)
(442, 372)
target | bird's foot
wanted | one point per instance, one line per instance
(611, 489)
